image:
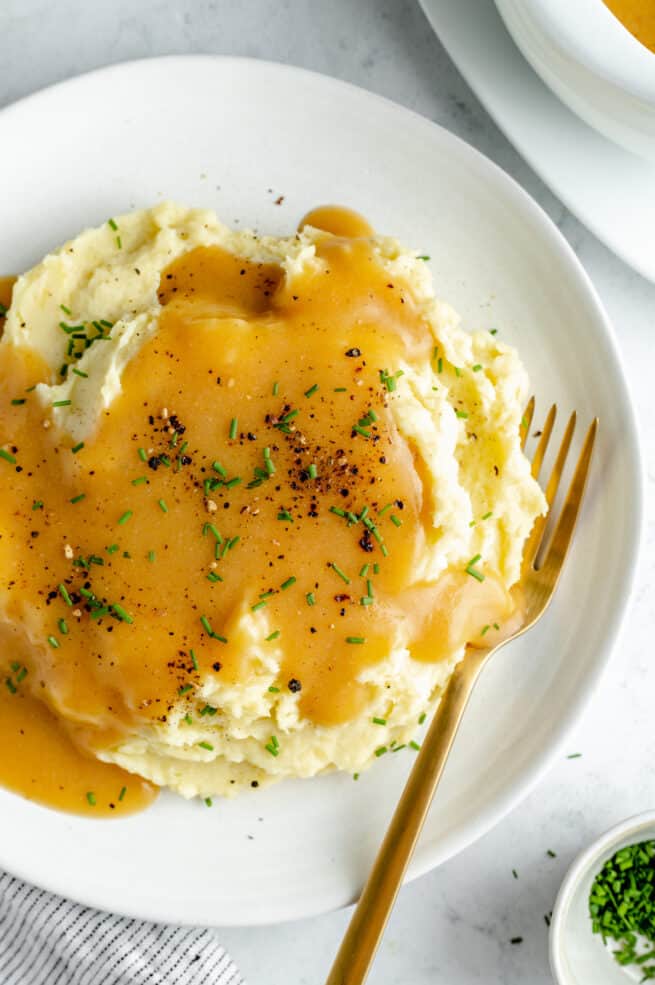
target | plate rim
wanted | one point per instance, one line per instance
(431, 12)
(163, 910)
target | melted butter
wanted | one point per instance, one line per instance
(245, 368)
(638, 16)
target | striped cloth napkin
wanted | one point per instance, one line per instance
(47, 940)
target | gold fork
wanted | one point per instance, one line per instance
(540, 573)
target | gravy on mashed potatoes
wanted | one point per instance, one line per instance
(257, 496)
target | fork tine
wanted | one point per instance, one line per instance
(538, 458)
(566, 523)
(526, 421)
(534, 541)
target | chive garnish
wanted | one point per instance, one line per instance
(54, 642)
(366, 600)
(379, 721)
(206, 745)
(213, 577)
(78, 499)
(259, 605)
(121, 613)
(312, 471)
(78, 372)
(139, 481)
(312, 390)
(217, 467)
(125, 517)
(142, 455)
(285, 515)
(234, 424)
(337, 510)
(63, 626)
(113, 225)
(355, 639)
(276, 388)
(91, 798)
(78, 447)
(273, 746)
(414, 745)
(273, 636)
(461, 413)
(342, 574)
(37, 504)
(112, 548)
(360, 430)
(61, 403)
(8, 457)
(477, 367)
(340, 389)
(485, 629)
(11, 687)
(162, 505)
(122, 793)
(18, 401)
(194, 659)
(63, 591)
(66, 310)
(471, 570)
(288, 583)
(274, 690)
(422, 718)
(395, 520)
(184, 689)
(364, 571)
(381, 751)
(487, 515)
(206, 625)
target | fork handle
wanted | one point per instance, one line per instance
(360, 942)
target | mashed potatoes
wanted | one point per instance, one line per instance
(440, 413)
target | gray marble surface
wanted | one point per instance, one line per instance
(454, 926)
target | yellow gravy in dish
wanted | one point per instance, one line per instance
(250, 463)
(638, 16)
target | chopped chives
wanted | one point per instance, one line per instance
(461, 413)
(37, 504)
(112, 548)
(471, 570)
(217, 467)
(8, 457)
(355, 639)
(122, 793)
(142, 455)
(63, 627)
(379, 721)
(206, 625)
(214, 530)
(139, 481)
(184, 689)
(311, 598)
(276, 388)
(395, 520)
(121, 613)
(340, 389)
(259, 605)
(78, 499)
(273, 636)
(162, 505)
(273, 746)
(234, 424)
(364, 571)
(313, 471)
(63, 591)
(78, 447)
(233, 482)
(288, 583)
(66, 310)
(312, 390)
(289, 417)
(206, 745)
(369, 588)
(213, 577)
(113, 225)
(11, 687)
(100, 613)
(422, 718)
(91, 798)
(194, 659)
(381, 751)
(458, 371)
(366, 600)
(487, 515)
(384, 509)
(79, 372)
(485, 629)
(337, 510)
(18, 401)
(274, 690)
(376, 568)
(61, 403)
(187, 718)
(125, 517)
(285, 515)
(342, 574)
(414, 745)
(151, 556)
(424, 257)
(477, 367)
(54, 642)
(439, 365)
(360, 430)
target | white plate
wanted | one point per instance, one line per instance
(609, 189)
(236, 134)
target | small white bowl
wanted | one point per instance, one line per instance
(592, 62)
(577, 955)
